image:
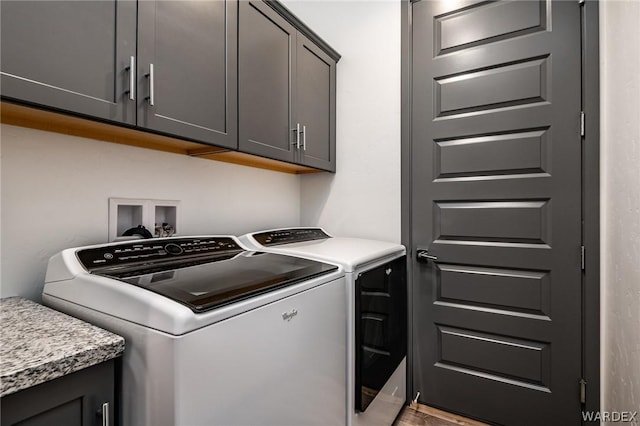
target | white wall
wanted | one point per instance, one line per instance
(620, 204)
(55, 188)
(363, 198)
(55, 191)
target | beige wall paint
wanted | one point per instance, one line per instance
(55, 192)
(620, 204)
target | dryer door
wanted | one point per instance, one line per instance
(381, 328)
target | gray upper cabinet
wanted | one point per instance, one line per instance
(62, 55)
(286, 89)
(316, 105)
(242, 75)
(267, 52)
(70, 55)
(187, 69)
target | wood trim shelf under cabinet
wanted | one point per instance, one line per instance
(34, 118)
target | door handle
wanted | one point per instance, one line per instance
(104, 412)
(296, 131)
(304, 138)
(296, 143)
(423, 255)
(150, 76)
(132, 78)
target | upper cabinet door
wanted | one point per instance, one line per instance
(70, 55)
(187, 69)
(267, 44)
(316, 105)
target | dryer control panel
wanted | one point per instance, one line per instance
(155, 250)
(288, 236)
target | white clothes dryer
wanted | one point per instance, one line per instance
(376, 289)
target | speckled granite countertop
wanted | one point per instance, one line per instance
(38, 344)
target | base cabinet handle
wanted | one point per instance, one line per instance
(104, 411)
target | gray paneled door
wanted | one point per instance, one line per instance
(267, 46)
(70, 55)
(496, 196)
(316, 106)
(192, 89)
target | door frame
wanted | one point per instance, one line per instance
(590, 194)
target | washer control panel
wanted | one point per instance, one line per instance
(288, 236)
(153, 250)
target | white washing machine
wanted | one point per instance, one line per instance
(215, 334)
(376, 288)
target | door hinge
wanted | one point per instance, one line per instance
(582, 123)
(583, 391)
(582, 257)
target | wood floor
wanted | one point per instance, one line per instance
(421, 415)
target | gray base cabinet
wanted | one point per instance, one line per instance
(286, 89)
(83, 398)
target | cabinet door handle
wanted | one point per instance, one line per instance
(151, 96)
(295, 131)
(105, 414)
(304, 138)
(132, 78)
(298, 135)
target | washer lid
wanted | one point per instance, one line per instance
(210, 283)
(199, 272)
(314, 243)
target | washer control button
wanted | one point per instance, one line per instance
(173, 248)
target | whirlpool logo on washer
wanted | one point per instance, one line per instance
(288, 316)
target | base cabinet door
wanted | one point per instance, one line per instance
(267, 49)
(316, 105)
(74, 56)
(83, 398)
(187, 69)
